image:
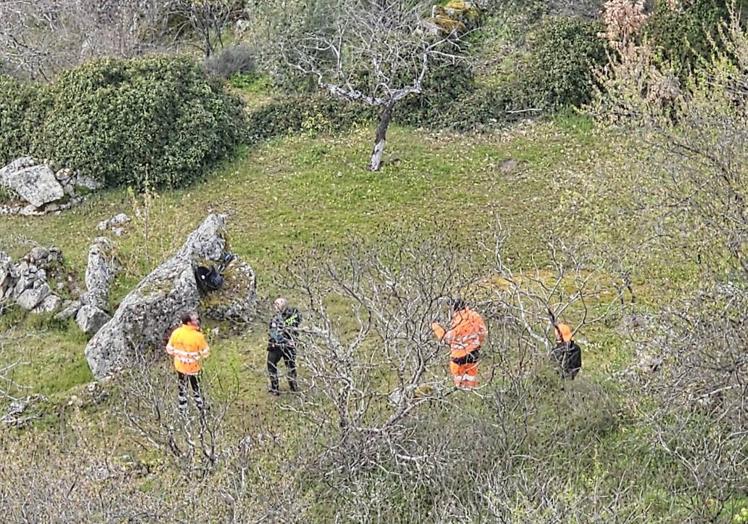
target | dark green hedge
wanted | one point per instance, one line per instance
(315, 113)
(158, 121)
(558, 70)
(22, 111)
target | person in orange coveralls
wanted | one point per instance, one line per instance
(464, 337)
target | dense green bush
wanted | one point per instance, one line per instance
(683, 36)
(445, 84)
(558, 69)
(22, 111)
(316, 113)
(157, 121)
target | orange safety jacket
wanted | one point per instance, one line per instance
(467, 333)
(188, 347)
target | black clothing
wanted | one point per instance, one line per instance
(282, 344)
(283, 326)
(568, 355)
(182, 385)
(288, 355)
(470, 358)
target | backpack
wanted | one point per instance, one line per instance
(208, 279)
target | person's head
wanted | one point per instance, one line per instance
(563, 333)
(191, 319)
(280, 304)
(458, 304)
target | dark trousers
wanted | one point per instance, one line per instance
(182, 380)
(288, 354)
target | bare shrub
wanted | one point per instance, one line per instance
(237, 59)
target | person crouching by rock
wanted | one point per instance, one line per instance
(282, 343)
(189, 348)
(567, 354)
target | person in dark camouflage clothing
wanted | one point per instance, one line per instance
(282, 343)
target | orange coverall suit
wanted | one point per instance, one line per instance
(465, 337)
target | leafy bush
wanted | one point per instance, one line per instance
(305, 113)
(22, 110)
(156, 121)
(558, 69)
(444, 85)
(235, 60)
(683, 36)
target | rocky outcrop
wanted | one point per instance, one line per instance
(100, 272)
(157, 302)
(39, 189)
(454, 17)
(235, 301)
(26, 283)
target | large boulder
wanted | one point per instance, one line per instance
(158, 301)
(36, 184)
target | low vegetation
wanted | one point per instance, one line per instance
(618, 205)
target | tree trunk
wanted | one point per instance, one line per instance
(381, 137)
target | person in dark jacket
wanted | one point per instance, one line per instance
(567, 353)
(283, 331)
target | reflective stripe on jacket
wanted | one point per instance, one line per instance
(466, 334)
(189, 347)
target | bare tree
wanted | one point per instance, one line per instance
(372, 52)
(40, 39)
(205, 20)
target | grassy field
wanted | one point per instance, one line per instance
(543, 180)
(540, 180)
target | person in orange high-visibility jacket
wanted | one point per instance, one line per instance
(189, 348)
(465, 338)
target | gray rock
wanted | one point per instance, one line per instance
(86, 182)
(90, 319)
(117, 220)
(37, 185)
(48, 305)
(100, 272)
(37, 254)
(30, 211)
(69, 310)
(32, 297)
(155, 305)
(236, 300)
(7, 272)
(17, 165)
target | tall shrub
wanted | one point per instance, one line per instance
(559, 69)
(158, 121)
(22, 110)
(685, 34)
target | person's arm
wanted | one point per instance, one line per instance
(170, 345)
(204, 348)
(439, 331)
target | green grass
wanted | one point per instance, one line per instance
(293, 193)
